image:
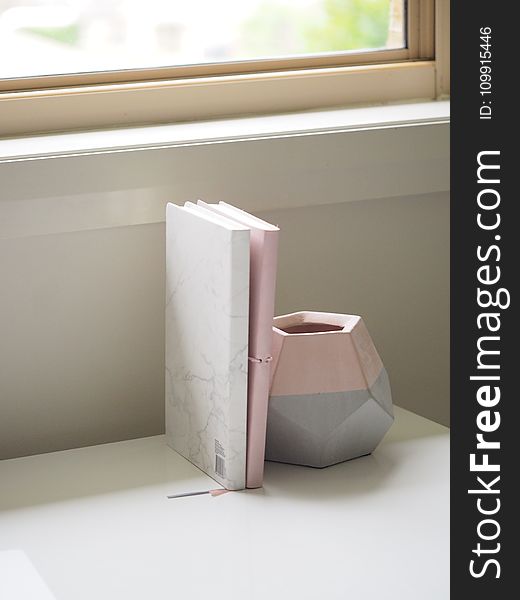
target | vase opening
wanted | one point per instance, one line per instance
(311, 328)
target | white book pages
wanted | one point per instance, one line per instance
(243, 217)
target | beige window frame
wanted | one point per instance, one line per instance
(171, 94)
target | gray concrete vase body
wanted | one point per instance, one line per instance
(330, 397)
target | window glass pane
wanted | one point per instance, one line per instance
(46, 37)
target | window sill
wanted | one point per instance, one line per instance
(224, 130)
(79, 181)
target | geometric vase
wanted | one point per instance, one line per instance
(330, 398)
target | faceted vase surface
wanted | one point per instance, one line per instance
(330, 397)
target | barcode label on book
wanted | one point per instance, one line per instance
(220, 459)
(220, 466)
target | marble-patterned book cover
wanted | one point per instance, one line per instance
(207, 319)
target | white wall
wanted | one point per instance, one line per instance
(81, 301)
(81, 354)
(387, 260)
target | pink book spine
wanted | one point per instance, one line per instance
(264, 254)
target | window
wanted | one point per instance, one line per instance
(50, 37)
(97, 63)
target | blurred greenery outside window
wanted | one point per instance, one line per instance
(50, 37)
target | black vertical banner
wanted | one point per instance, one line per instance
(485, 360)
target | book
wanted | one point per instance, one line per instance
(207, 328)
(264, 254)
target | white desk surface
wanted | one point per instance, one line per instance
(95, 523)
